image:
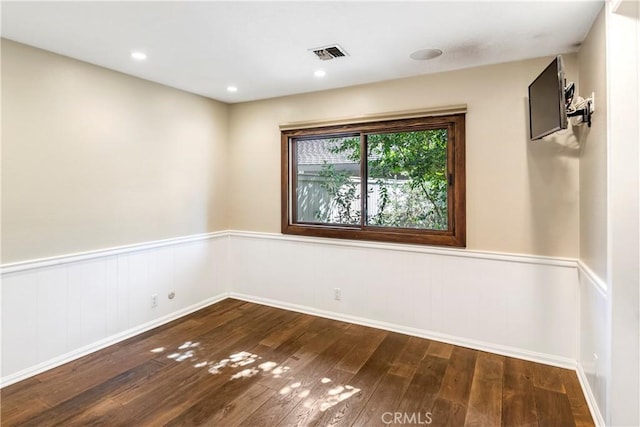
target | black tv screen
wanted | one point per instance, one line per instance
(547, 112)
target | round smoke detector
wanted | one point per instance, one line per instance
(425, 54)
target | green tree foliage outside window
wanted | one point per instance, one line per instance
(406, 180)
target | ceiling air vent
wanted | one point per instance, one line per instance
(329, 52)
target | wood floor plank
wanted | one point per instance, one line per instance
(210, 401)
(577, 401)
(172, 391)
(456, 384)
(446, 413)
(236, 411)
(101, 413)
(327, 332)
(280, 404)
(317, 338)
(178, 399)
(383, 401)
(366, 341)
(281, 335)
(311, 378)
(553, 408)
(178, 375)
(409, 358)
(17, 412)
(60, 413)
(316, 398)
(485, 399)
(295, 364)
(297, 338)
(12, 400)
(424, 387)
(239, 363)
(450, 405)
(87, 374)
(194, 404)
(518, 400)
(548, 378)
(366, 380)
(440, 349)
(275, 409)
(95, 368)
(207, 410)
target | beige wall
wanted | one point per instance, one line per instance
(593, 152)
(92, 158)
(522, 197)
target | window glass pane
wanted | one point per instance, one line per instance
(328, 180)
(407, 180)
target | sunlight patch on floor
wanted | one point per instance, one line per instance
(337, 395)
(189, 351)
(267, 366)
(331, 397)
(247, 373)
(304, 393)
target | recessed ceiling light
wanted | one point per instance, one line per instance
(232, 89)
(425, 54)
(138, 56)
(320, 73)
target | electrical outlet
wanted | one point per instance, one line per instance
(154, 300)
(337, 294)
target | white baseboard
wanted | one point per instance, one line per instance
(590, 398)
(463, 342)
(106, 342)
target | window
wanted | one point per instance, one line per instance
(397, 180)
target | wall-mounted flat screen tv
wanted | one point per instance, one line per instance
(547, 112)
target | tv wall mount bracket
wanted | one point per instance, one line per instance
(581, 107)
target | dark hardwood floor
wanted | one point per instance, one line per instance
(238, 363)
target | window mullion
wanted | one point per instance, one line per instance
(293, 180)
(363, 180)
(451, 172)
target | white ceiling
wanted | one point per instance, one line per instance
(263, 47)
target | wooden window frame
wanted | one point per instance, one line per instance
(455, 235)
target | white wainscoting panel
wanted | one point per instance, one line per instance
(521, 306)
(594, 359)
(55, 311)
(58, 309)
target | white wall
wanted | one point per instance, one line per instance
(623, 277)
(594, 356)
